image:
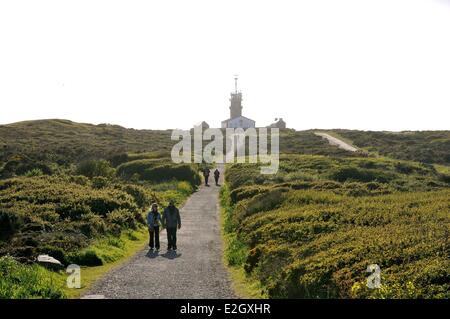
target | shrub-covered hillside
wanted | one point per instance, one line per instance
(64, 141)
(312, 230)
(61, 215)
(324, 172)
(78, 193)
(306, 142)
(420, 146)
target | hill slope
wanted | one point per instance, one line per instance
(431, 147)
(67, 141)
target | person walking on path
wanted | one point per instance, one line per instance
(172, 221)
(206, 175)
(216, 176)
(153, 222)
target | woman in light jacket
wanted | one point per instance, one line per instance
(154, 222)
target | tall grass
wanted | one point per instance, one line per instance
(236, 251)
(22, 281)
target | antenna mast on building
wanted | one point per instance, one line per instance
(235, 82)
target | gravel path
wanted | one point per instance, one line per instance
(194, 271)
(335, 141)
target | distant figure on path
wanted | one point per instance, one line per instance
(206, 175)
(153, 222)
(216, 176)
(171, 220)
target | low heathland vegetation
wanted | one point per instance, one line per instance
(78, 193)
(312, 230)
(420, 146)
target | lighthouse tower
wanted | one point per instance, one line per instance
(236, 119)
(236, 102)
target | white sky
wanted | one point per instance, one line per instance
(378, 64)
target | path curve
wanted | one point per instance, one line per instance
(337, 142)
(196, 270)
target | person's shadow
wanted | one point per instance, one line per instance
(171, 254)
(152, 254)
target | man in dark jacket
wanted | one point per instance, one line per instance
(206, 175)
(216, 176)
(172, 221)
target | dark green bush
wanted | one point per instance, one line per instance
(445, 178)
(404, 168)
(118, 159)
(128, 169)
(93, 168)
(10, 223)
(360, 175)
(179, 172)
(22, 166)
(86, 258)
(100, 182)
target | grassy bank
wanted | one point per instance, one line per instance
(236, 252)
(25, 281)
(116, 251)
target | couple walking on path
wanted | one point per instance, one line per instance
(170, 219)
(206, 172)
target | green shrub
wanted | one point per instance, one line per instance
(136, 167)
(123, 218)
(86, 258)
(360, 175)
(236, 253)
(179, 172)
(445, 178)
(34, 172)
(93, 168)
(10, 223)
(99, 182)
(140, 194)
(185, 188)
(23, 166)
(118, 159)
(244, 192)
(259, 203)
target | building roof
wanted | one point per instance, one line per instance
(238, 117)
(278, 123)
(202, 124)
